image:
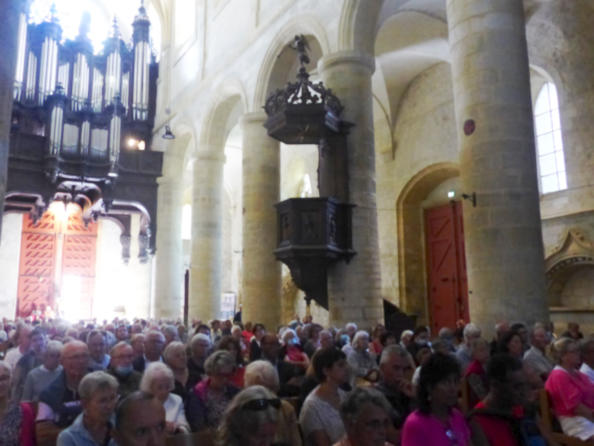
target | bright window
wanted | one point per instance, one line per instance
(549, 144)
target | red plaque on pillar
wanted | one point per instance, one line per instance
(469, 127)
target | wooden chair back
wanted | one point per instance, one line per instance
(550, 425)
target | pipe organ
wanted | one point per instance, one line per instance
(88, 119)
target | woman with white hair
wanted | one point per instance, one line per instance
(211, 396)
(292, 351)
(360, 360)
(263, 373)
(158, 380)
(17, 421)
(176, 358)
(92, 427)
(251, 418)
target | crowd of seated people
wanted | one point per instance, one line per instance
(299, 384)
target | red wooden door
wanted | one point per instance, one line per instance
(446, 266)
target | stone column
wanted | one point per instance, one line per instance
(504, 252)
(207, 228)
(9, 24)
(261, 275)
(354, 288)
(169, 269)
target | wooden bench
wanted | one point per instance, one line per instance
(551, 425)
(203, 438)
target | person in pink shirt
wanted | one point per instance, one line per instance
(437, 422)
(571, 392)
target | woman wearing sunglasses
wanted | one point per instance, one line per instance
(250, 419)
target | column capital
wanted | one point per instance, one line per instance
(349, 57)
(253, 117)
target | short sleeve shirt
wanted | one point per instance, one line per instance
(319, 415)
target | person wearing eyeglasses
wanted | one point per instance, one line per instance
(366, 416)
(211, 396)
(263, 373)
(251, 418)
(437, 422)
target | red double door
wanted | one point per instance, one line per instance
(446, 266)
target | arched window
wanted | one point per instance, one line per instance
(549, 144)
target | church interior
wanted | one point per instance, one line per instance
(436, 163)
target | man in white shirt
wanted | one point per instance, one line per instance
(535, 355)
(23, 337)
(587, 351)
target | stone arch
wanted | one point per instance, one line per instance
(357, 26)
(277, 62)
(226, 105)
(411, 246)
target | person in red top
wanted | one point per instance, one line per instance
(571, 392)
(475, 374)
(231, 344)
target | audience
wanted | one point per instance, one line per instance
(263, 373)
(511, 343)
(16, 420)
(571, 392)
(40, 377)
(176, 358)
(366, 417)
(501, 414)
(470, 332)
(121, 368)
(535, 356)
(23, 341)
(230, 344)
(158, 380)
(92, 427)
(251, 418)
(363, 364)
(154, 344)
(587, 351)
(97, 343)
(139, 421)
(320, 420)
(78, 406)
(395, 384)
(199, 349)
(211, 396)
(437, 422)
(475, 374)
(30, 360)
(59, 403)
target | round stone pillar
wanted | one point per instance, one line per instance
(354, 288)
(207, 230)
(504, 252)
(169, 273)
(11, 11)
(261, 272)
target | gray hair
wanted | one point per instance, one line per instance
(471, 329)
(171, 349)
(351, 325)
(54, 347)
(355, 403)
(262, 373)
(154, 371)
(95, 333)
(200, 337)
(393, 350)
(561, 346)
(360, 334)
(219, 360)
(405, 333)
(237, 424)
(171, 330)
(95, 381)
(118, 346)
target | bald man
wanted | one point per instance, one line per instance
(59, 403)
